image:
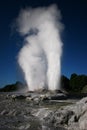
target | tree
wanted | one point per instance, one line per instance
(77, 82)
(12, 87)
(65, 83)
(73, 76)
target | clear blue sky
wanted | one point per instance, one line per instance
(74, 37)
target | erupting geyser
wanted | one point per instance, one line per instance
(40, 56)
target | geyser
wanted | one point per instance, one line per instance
(40, 56)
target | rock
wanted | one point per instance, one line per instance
(72, 120)
(41, 113)
(44, 97)
(32, 110)
(18, 97)
(13, 96)
(59, 117)
(4, 112)
(36, 101)
(7, 96)
(21, 128)
(79, 119)
(24, 127)
(73, 116)
(27, 126)
(83, 121)
(59, 96)
(29, 99)
(11, 112)
(83, 125)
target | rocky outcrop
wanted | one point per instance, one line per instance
(73, 117)
(39, 112)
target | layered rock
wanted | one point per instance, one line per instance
(73, 117)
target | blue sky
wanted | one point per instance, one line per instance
(74, 37)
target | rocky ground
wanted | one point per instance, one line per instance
(42, 111)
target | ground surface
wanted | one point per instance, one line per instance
(17, 114)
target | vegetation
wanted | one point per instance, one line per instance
(84, 90)
(65, 83)
(76, 83)
(12, 87)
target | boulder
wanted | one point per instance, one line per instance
(14, 97)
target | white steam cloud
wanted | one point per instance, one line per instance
(40, 57)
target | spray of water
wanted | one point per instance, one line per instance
(40, 56)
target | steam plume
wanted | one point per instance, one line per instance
(40, 57)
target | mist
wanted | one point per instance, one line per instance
(40, 56)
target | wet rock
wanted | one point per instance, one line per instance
(11, 112)
(4, 112)
(29, 99)
(14, 97)
(19, 112)
(57, 118)
(41, 113)
(24, 127)
(44, 97)
(60, 96)
(8, 96)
